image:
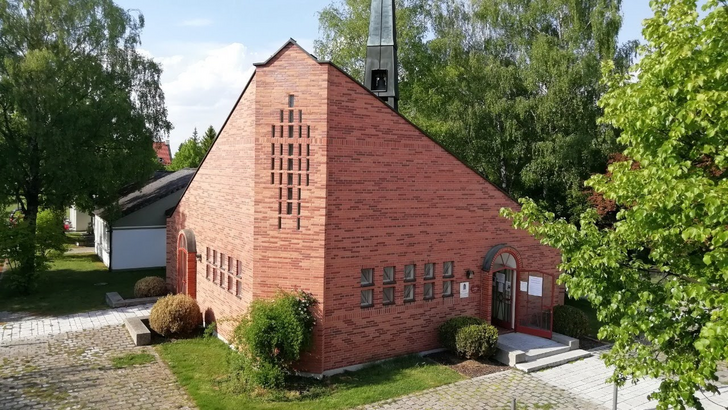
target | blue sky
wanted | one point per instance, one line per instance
(207, 48)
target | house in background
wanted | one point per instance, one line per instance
(164, 153)
(136, 238)
(316, 183)
(79, 220)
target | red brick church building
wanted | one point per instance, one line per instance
(315, 183)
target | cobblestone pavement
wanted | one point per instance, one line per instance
(17, 326)
(586, 379)
(491, 392)
(74, 371)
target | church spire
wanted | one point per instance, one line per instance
(381, 65)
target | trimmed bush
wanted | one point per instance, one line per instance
(447, 331)
(570, 321)
(149, 287)
(175, 315)
(476, 341)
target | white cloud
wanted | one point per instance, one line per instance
(200, 22)
(202, 83)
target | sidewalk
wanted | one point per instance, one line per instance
(19, 326)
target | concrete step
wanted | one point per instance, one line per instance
(553, 361)
(539, 353)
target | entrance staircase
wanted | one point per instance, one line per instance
(531, 353)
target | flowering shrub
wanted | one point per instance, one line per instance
(273, 334)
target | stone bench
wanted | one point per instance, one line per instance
(115, 300)
(140, 333)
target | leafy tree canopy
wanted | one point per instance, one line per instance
(658, 276)
(79, 106)
(510, 86)
(192, 151)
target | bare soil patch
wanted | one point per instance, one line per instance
(468, 367)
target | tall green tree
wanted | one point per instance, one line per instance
(207, 139)
(510, 86)
(658, 276)
(79, 107)
(189, 154)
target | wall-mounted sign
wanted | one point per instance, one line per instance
(524, 286)
(535, 286)
(464, 289)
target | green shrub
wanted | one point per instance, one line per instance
(149, 287)
(210, 330)
(175, 314)
(570, 321)
(476, 341)
(447, 331)
(271, 336)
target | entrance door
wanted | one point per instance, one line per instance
(182, 271)
(502, 301)
(535, 303)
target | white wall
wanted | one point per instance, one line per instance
(101, 239)
(79, 219)
(139, 248)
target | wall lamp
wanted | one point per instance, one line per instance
(469, 273)
(199, 257)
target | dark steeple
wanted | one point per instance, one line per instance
(381, 65)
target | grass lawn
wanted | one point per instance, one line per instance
(201, 367)
(131, 359)
(585, 306)
(75, 283)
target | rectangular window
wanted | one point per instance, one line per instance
(208, 272)
(409, 273)
(447, 288)
(367, 277)
(308, 150)
(214, 257)
(282, 132)
(290, 131)
(280, 193)
(388, 274)
(298, 223)
(299, 209)
(230, 264)
(222, 261)
(273, 164)
(290, 164)
(300, 115)
(308, 131)
(308, 165)
(289, 208)
(223, 282)
(214, 275)
(239, 272)
(429, 271)
(290, 193)
(299, 164)
(280, 148)
(290, 115)
(280, 222)
(280, 207)
(281, 115)
(272, 178)
(273, 130)
(290, 149)
(291, 100)
(208, 253)
(409, 293)
(388, 296)
(290, 179)
(306, 179)
(429, 291)
(299, 179)
(299, 150)
(447, 270)
(230, 284)
(280, 162)
(299, 194)
(238, 288)
(272, 149)
(367, 298)
(280, 178)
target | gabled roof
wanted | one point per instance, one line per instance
(163, 152)
(163, 184)
(292, 42)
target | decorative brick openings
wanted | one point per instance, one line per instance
(375, 193)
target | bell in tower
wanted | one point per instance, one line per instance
(381, 65)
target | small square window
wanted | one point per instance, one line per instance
(409, 293)
(447, 288)
(367, 277)
(230, 284)
(239, 271)
(388, 296)
(230, 264)
(447, 269)
(367, 298)
(429, 291)
(429, 271)
(238, 288)
(409, 273)
(389, 274)
(208, 272)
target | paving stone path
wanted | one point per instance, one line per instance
(491, 392)
(74, 371)
(586, 379)
(18, 326)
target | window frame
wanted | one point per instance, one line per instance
(393, 277)
(414, 273)
(424, 293)
(450, 294)
(452, 269)
(385, 290)
(370, 282)
(404, 294)
(370, 299)
(431, 265)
